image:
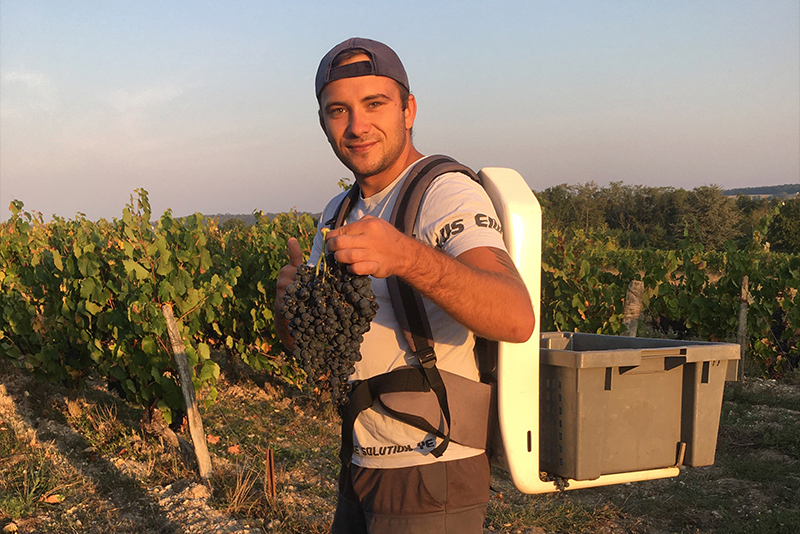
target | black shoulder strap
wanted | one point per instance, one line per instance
(416, 184)
(406, 301)
(344, 207)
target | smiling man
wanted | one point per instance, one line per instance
(367, 120)
(400, 477)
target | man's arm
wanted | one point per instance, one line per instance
(481, 288)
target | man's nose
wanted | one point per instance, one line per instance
(358, 124)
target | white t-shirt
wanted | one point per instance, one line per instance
(456, 215)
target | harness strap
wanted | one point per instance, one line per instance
(365, 393)
(419, 178)
(344, 207)
(406, 301)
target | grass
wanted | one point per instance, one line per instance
(513, 513)
(28, 476)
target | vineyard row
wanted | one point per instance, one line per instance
(78, 296)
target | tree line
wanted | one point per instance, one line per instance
(659, 218)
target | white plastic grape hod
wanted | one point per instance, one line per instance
(590, 371)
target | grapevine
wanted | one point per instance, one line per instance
(329, 310)
(79, 298)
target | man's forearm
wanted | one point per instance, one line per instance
(480, 289)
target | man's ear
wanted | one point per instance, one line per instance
(322, 123)
(410, 112)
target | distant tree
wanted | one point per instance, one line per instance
(747, 204)
(622, 205)
(712, 218)
(751, 211)
(784, 231)
(661, 213)
(654, 217)
(629, 212)
(232, 224)
(786, 190)
(573, 206)
(676, 208)
(556, 205)
(589, 206)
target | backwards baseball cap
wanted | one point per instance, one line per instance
(382, 62)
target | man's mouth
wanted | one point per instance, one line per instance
(361, 147)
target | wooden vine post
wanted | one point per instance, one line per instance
(187, 387)
(633, 307)
(741, 338)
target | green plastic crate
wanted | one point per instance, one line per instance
(611, 404)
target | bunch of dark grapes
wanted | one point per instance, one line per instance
(329, 310)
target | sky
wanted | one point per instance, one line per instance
(209, 105)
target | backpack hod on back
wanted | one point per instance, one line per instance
(515, 412)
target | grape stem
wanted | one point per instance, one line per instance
(322, 260)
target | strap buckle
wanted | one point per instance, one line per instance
(427, 357)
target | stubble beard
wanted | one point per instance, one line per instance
(365, 169)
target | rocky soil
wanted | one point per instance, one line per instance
(104, 493)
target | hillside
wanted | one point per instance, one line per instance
(786, 190)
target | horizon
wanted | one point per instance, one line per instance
(208, 215)
(211, 108)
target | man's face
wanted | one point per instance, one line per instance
(365, 123)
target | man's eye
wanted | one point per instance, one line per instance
(335, 111)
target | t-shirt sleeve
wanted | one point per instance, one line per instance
(457, 215)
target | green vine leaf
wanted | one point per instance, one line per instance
(132, 267)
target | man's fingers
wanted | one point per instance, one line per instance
(295, 254)
(358, 227)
